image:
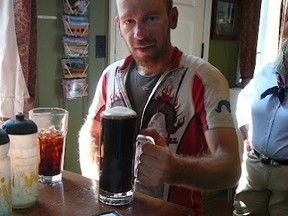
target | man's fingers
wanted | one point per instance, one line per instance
(158, 139)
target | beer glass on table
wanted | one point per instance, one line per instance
(118, 133)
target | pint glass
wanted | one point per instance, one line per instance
(118, 133)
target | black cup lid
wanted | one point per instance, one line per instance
(20, 125)
(4, 138)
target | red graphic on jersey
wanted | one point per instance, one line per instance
(117, 99)
(167, 104)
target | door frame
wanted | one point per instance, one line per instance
(113, 30)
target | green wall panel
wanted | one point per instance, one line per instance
(75, 122)
(223, 54)
(98, 26)
(49, 70)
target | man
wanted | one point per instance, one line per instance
(262, 115)
(166, 87)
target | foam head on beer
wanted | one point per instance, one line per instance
(118, 112)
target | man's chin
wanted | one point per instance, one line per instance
(144, 59)
(144, 56)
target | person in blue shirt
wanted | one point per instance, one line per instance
(262, 116)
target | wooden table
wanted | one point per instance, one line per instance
(78, 195)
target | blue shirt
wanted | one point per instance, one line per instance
(268, 118)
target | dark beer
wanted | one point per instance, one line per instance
(117, 138)
(117, 149)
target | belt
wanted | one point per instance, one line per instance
(267, 160)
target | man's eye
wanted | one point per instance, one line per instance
(128, 22)
(151, 19)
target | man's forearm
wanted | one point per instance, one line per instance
(207, 173)
(89, 151)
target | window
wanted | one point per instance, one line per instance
(267, 46)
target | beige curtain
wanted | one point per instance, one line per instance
(250, 16)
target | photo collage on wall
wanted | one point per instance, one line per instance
(75, 45)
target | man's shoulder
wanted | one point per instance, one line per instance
(202, 68)
(197, 63)
(191, 59)
(116, 64)
(122, 64)
(111, 68)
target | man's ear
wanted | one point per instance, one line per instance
(173, 18)
(117, 21)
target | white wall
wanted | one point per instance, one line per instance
(267, 45)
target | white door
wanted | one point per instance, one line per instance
(191, 35)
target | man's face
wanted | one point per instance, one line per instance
(145, 26)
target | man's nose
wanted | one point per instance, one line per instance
(140, 31)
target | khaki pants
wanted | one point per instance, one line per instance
(262, 189)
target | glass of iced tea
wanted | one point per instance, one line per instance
(52, 126)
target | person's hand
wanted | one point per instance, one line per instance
(244, 131)
(156, 161)
(248, 145)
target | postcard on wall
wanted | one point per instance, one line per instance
(75, 88)
(76, 25)
(74, 68)
(76, 6)
(75, 46)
